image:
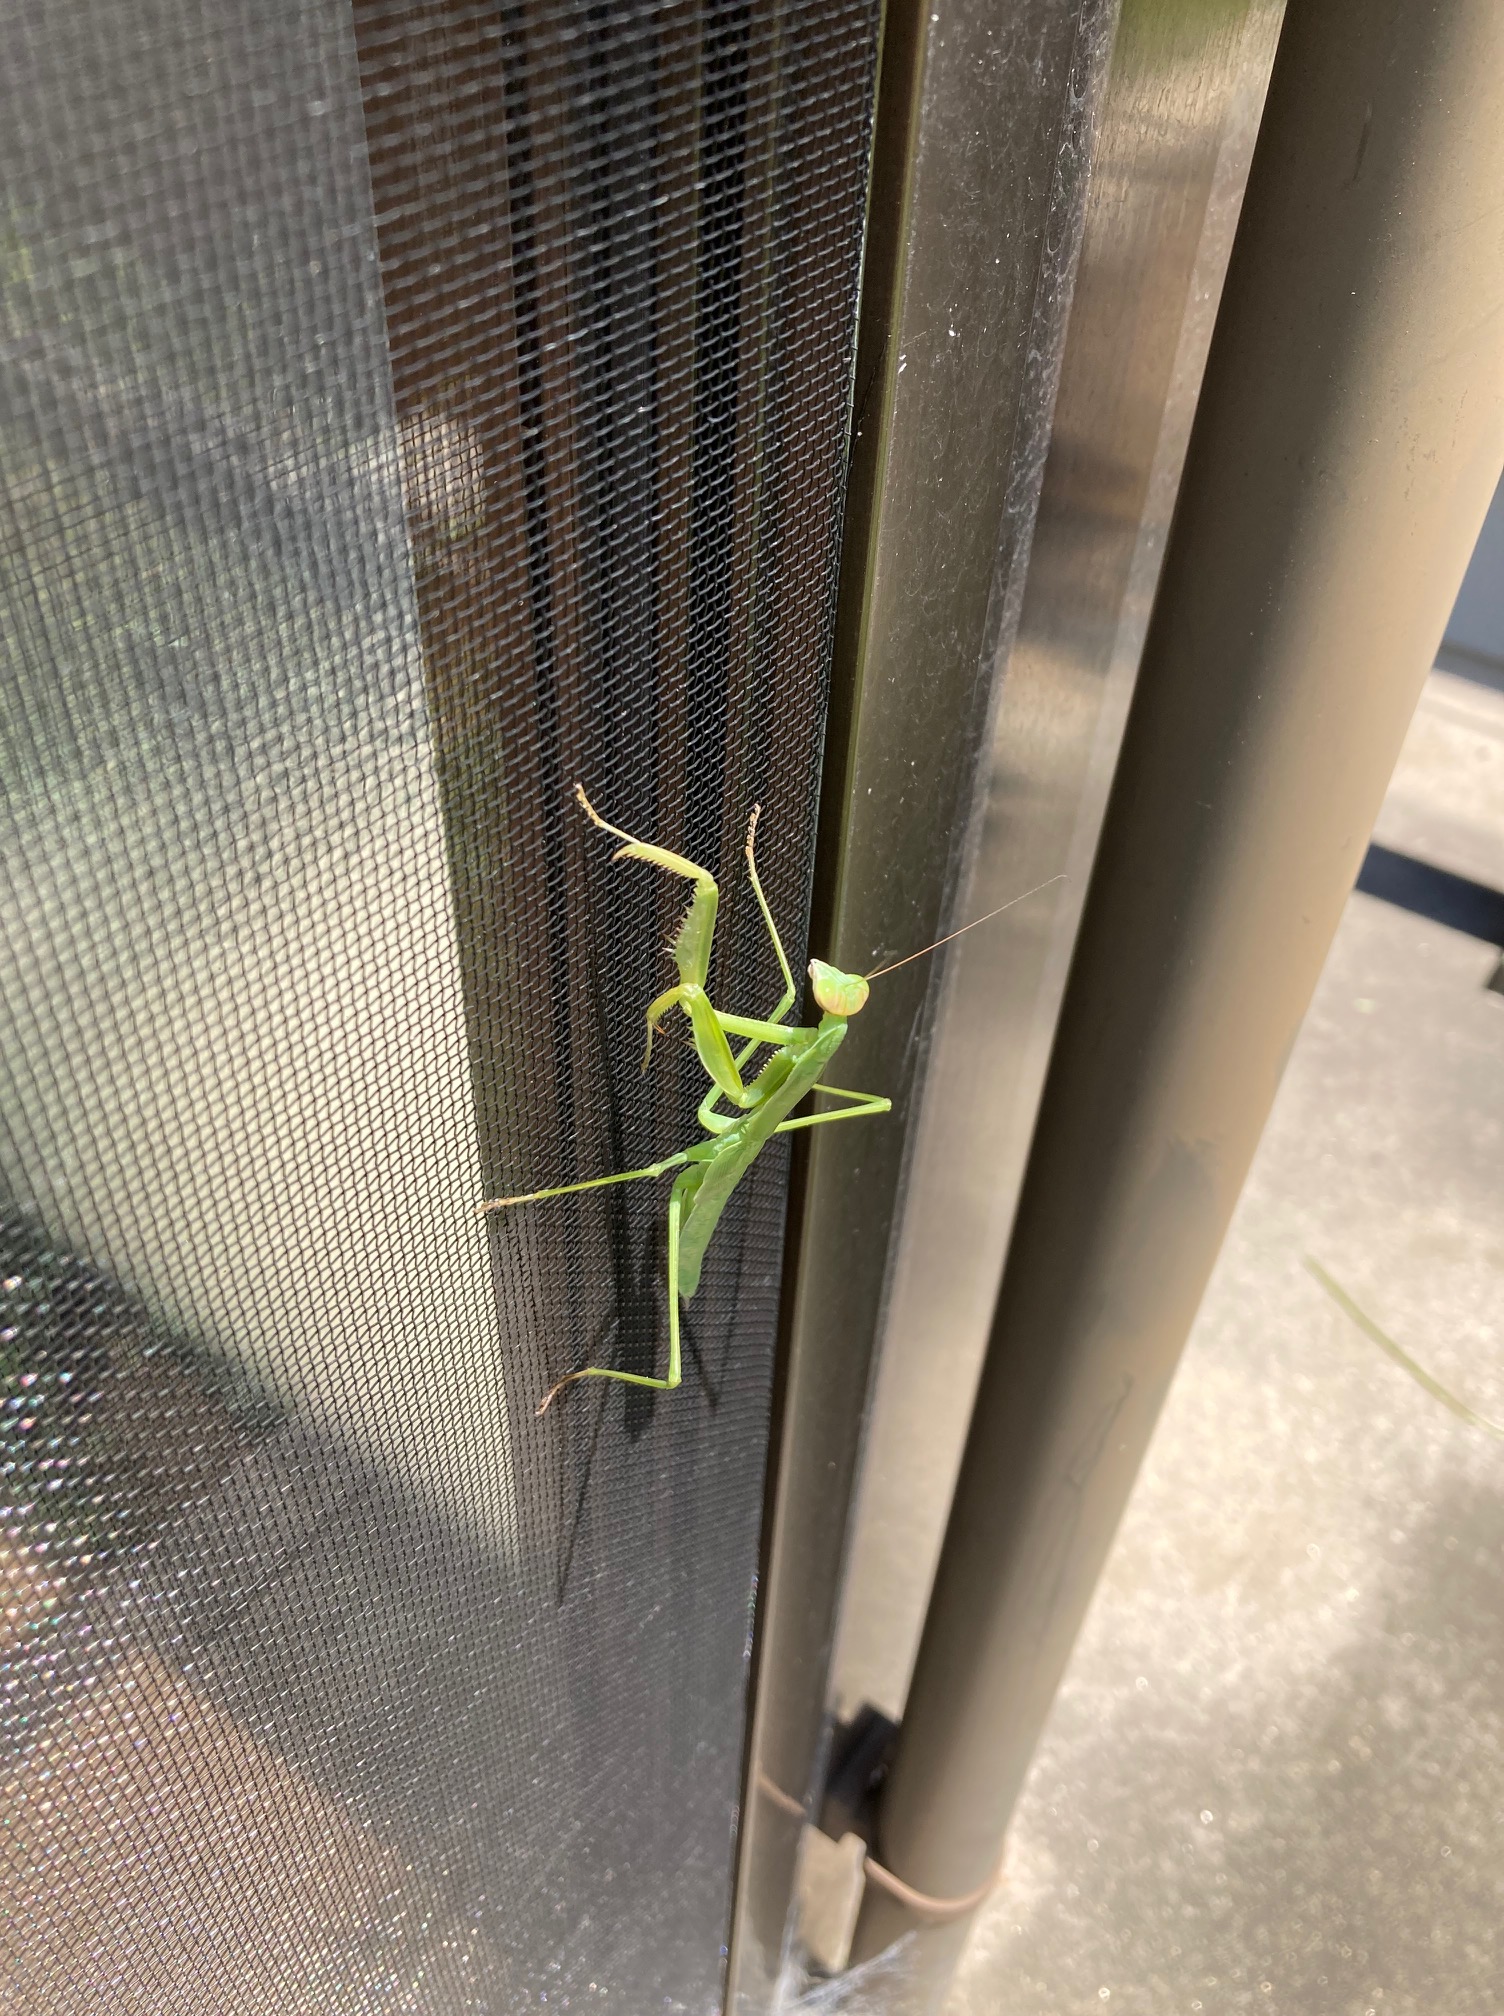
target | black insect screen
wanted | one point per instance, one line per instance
(406, 414)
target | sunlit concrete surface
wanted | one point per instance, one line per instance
(1274, 1779)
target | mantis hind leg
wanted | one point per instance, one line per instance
(689, 1179)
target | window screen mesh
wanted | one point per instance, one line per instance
(405, 415)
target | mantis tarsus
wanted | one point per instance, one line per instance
(710, 1170)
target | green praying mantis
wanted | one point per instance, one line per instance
(710, 1170)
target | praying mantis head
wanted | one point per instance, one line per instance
(838, 993)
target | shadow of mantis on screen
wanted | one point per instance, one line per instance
(624, 1340)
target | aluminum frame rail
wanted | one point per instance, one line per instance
(980, 153)
(1170, 162)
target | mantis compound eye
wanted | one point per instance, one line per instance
(838, 993)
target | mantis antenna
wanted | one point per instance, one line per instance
(878, 972)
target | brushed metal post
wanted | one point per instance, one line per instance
(1350, 431)
(1170, 162)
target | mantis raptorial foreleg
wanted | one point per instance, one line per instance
(692, 952)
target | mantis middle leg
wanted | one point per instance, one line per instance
(864, 1106)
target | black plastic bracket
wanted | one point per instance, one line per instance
(860, 1753)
